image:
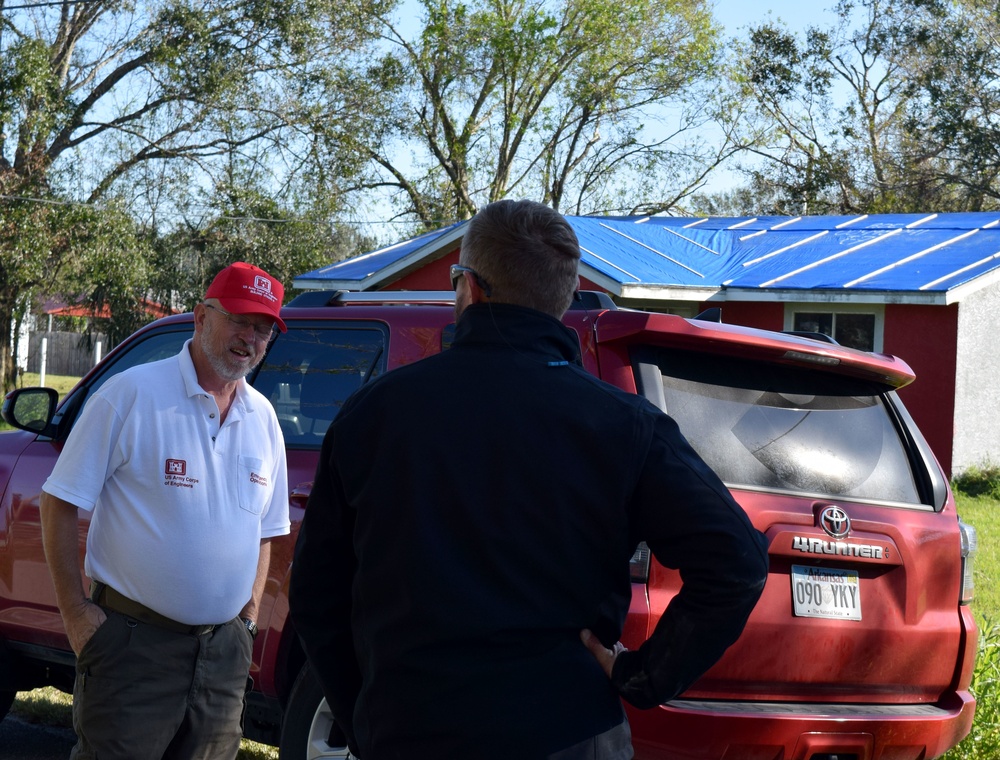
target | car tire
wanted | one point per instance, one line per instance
(307, 722)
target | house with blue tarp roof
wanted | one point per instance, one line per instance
(925, 287)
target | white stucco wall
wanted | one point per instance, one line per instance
(977, 381)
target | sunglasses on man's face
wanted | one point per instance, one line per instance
(457, 270)
(240, 324)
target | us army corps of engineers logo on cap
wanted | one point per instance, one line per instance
(262, 288)
(175, 474)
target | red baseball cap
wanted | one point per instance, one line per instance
(243, 288)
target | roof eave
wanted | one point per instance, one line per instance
(667, 292)
(820, 295)
(411, 262)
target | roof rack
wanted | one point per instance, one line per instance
(592, 299)
(585, 299)
(337, 297)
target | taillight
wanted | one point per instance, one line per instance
(639, 564)
(970, 543)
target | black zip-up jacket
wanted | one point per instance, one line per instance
(471, 513)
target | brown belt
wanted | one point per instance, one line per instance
(105, 596)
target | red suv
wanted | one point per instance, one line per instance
(862, 646)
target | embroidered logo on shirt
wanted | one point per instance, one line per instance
(175, 467)
(260, 480)
(175, 474)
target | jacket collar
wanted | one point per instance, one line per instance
(530, 332)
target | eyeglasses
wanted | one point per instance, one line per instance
(457, 270)
(240, 324)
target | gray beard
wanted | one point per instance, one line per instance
(222, 368)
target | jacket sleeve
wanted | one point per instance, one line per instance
(691, 523)
(320, 591)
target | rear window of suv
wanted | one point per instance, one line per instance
(782, 428)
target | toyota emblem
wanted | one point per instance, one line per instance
(835, 522)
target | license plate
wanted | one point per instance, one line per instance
(823, 592)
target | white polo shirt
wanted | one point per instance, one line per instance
(179, 503)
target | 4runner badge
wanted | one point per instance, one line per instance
(836, 523)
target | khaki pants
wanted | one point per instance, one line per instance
(145, 692)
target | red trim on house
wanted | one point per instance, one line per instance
(432, 275)
(926, 338)
(61, 309)
(764, 315)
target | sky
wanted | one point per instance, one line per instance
(797, 14)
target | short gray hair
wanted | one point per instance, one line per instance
(526, 252)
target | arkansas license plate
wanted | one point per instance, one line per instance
(823, 592)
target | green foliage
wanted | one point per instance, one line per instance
(62, 384)
(99, 105)
(979, 480)
(958, 121)
(983, 741)
(246, 224)
(46, 706)
(63, 249)
(866, 150)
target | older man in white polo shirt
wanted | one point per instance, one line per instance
(182, 465)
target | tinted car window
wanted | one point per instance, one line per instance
(153, 347)
(150, 348)
(783, 428)
(310, 372)
(307, 374)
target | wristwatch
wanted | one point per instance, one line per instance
(250, 626)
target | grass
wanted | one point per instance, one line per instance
(51, 707)
(977, 494)
(62, 383)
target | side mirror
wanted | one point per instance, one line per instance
(30, 409)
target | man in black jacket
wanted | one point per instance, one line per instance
(462, 573)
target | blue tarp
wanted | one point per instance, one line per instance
(356, 269)
(919, 253)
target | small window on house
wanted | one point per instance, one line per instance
(852, 329)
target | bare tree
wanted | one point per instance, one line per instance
(539, 98)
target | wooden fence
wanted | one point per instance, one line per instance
(68, 353)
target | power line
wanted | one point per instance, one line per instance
(228, 218)
(46, 4)
(47, 201)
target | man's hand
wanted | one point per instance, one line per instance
(604, 656)
(61, 540)
(81, 622)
